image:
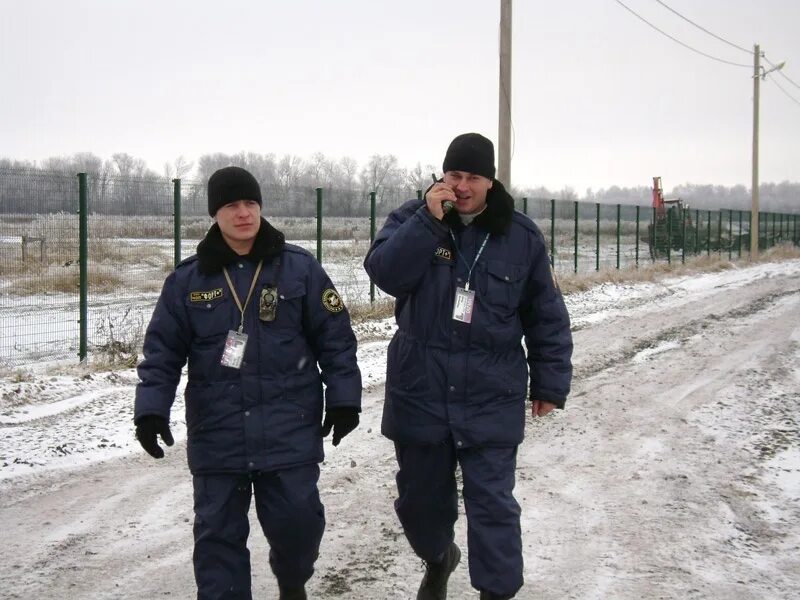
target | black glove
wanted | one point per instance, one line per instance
(147, 428)
(343, 419)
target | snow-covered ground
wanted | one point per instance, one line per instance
(674, 472)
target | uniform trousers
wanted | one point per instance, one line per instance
(291, 517)
(427, 506)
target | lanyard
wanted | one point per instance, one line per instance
(464, 260)
(249, 294)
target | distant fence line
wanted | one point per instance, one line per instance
(82, 260)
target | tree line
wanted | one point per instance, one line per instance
(125, 185)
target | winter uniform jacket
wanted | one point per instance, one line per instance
(469, 381)
(266, 415)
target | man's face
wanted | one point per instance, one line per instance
(239, 221)
(470, 190)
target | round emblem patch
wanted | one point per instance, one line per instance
(332, 301)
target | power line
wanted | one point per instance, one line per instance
(750, 52)
(781, 73)
(638, 16)
(780, 87)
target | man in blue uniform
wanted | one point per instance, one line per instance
(263, 328)
(471, 278)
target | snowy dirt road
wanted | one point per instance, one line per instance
(674, 472)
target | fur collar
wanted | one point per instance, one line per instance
(213, 253)
(495, 219)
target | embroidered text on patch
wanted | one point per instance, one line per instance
(332, 301)
(444, 253)
(205, 296)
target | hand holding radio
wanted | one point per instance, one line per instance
(440, 198)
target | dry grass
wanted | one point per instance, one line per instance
(67, 280)
(570, 283)
(581, 282)
(784, 251)
(111, 251)
(361, 311)
(354, 249)
(14, 375)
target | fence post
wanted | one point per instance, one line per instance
(525, 205)
(773, 228)
(696, 232)
(775, 235)
(319, 225)
(637, 235)
(719, 232)
(576, 236)
(730, 234)
(739, 243)
(83, 260)
(553, 232)
(372, 238)
(762, 225)
(682, 212)
(597, 238)
(708, 235)
(176, 215)
(653, 237)
(619, 225)
(419, 194)
(669, 236)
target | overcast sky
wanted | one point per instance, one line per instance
(598, 97)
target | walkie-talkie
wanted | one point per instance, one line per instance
(447, 205)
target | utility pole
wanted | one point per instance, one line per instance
(754, 208)
(759, 73)
(504, 133)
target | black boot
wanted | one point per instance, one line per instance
(293, 593)
(491, 596)
(434, 583)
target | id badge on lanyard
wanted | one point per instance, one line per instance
(463, 305)
(233, 353)
(464, 302)
(236, 342)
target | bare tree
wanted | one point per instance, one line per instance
(177, 169)
(419, 177)
(348, 170)
(379, 172)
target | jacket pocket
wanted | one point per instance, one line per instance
(210, 319)
(289, 310)
(407, 368)
(504, 283)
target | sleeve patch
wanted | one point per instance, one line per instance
(332, 301)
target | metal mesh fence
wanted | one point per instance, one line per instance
(130, 252)
(133, 245)
(38, 267)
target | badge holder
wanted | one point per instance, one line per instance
(463, 305)
(233, 353)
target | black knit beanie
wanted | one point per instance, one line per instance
(229, 185)
(471, 153)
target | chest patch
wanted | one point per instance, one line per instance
(205, 296)
(444, 253)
